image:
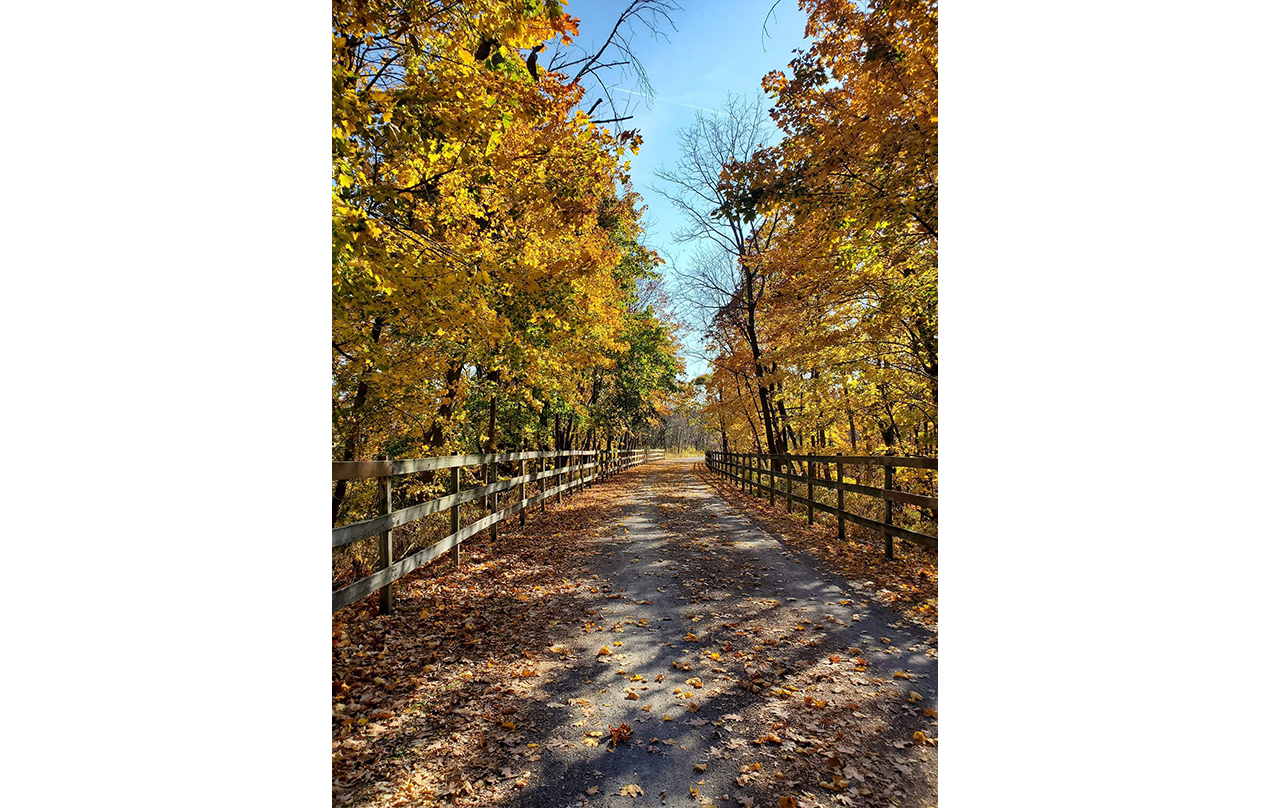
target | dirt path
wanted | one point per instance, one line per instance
(743, 671)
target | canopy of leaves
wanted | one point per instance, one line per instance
(486, 256)
(844, 216)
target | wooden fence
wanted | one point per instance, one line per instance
(749, 471)
(575, 468)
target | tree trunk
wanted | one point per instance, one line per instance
(352, 438)
(491, 441)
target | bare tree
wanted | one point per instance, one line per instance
(722, 283)
(618, 51)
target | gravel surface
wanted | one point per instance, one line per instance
(683, 576)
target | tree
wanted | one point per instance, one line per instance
(848, 199)
(724, 284)
(486, 238)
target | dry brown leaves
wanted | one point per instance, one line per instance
(429, 703)
(619, 734)
(908, 583)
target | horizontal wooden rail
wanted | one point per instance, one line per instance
(848, 460)
(749, 469)
(366, 528)
(368, 469)
(600, 464)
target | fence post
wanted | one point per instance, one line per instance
(454, 514)
(842, 532)
(788, 467)
(811, 493)
(491, 476)
(385, 542)
(484, 499)
(523, 486)
(889, 479)
(771, 482)
(542, 484)
(560, 462)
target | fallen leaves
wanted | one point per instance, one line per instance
(470, 704)
(619, 734)
(632, 791)
(912, 576)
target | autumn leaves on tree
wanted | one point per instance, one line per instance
(489, 284)
(819, 298)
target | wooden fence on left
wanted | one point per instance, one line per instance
(574, 468)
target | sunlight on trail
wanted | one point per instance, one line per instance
(643, 637)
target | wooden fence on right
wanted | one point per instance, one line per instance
(750, 470)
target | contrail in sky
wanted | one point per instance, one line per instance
(668, 101)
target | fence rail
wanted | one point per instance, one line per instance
(570, 469)
(748, 470)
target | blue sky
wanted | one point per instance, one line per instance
(719, 48)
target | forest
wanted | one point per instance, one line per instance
(491, 286)
(816, 282)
